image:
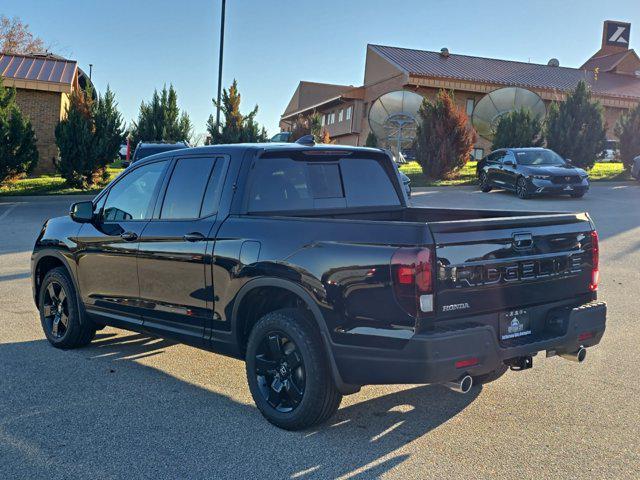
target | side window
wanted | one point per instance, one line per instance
(214, 187)
(185, 191)
(130, 198)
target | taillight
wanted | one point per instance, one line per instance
(595, 260)
(411, 274)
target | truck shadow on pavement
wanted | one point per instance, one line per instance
(96, 412)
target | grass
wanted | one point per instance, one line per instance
(601, 172)
(54, 184)
(50, 185)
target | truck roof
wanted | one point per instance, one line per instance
(267, 147)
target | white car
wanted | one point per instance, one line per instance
(123, 151)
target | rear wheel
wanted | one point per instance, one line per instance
(288, 372)
(483, 181)
(59, 312)
(521, 188)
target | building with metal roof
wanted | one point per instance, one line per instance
(613, 75)
(43, 84)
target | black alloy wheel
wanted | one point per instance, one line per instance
(56, 310)
(521, 188)
(483, 181)
(60, 315)
(288, 370)
(280, 371)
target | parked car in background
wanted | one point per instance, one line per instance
(531, 171)
(308, 263)
(122, 153)
(146, 149)
(610, 152)
(281, 137)
(635, 168)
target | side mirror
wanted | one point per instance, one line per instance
(81, 212)
(568, 160)
(509, 163)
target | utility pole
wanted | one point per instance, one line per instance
(220, 66)
(90, 70)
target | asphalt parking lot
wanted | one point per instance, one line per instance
(130, 406)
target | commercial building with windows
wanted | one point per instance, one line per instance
(613, 74)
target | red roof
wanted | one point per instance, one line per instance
(41, 68)
(506, 72)
(605, 62)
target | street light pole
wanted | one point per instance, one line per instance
(220, 67)
(90, 70)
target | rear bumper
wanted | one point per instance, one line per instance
(431, 357)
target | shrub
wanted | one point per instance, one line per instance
(575, 129)
(444, 138)
(88, 138)
(627, 130)
(519, 128)
(371, 141)
(18, 152)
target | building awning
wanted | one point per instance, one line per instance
(38, 72)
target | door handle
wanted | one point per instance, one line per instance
(194, 237)
(129, 236)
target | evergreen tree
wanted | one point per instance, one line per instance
(18, 152)
(371, 141)
(518, 128)
(627, 130)
(161, 119)
(236, 127)
(575, 129)
(444, 139)
(88, 138)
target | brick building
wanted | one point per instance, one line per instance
(43, 84)
(613, 74)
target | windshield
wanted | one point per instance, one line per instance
(539, 157)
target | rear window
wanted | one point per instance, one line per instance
(285, 184)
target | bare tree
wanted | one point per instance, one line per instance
(15, 37)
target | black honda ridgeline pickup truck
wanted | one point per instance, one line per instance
(307, 262)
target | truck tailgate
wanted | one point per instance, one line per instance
(501, 264)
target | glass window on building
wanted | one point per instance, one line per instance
(340, 115)
(470, 105)
(349, 113)
(322, 119)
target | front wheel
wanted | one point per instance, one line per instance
(59, 313)
(483, 181)
(288, 372)
(521, 188)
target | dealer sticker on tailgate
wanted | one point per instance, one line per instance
(514, 324)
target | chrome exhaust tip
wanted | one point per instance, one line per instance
(578, 356)
(462, 385)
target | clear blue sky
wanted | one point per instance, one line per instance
(138, 45)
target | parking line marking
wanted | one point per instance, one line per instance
(8, 211)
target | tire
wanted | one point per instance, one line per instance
(483, 181)
(521, 188)
(491, 376)
(59, 312)
(578, 195)
(290, 398)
